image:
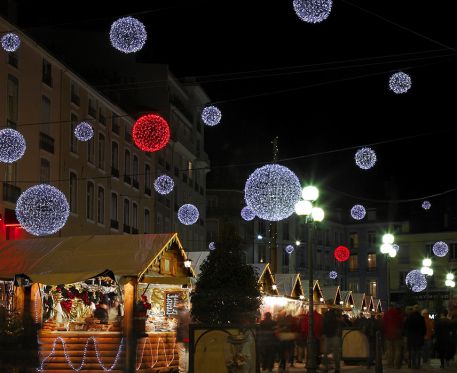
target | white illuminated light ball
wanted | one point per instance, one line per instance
(416, 281)
(12, 145)
(128, 35)
(211, 115)
(10, 42)
(365, 158)
(84, 131)
(164, 184)
(426, 205)
(42, 210)
(388, 238)
(289, 249)
(188, 214)
(272, 192)
(212, 246)
(440, 249)
(400, 83)
(303, 208)
(333, 275)
(386, 248)
(358, 212)
(247, 213)
(395, 247)
(313, 11)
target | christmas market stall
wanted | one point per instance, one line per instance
(318, 296)
(290, 294)
(101, 303)
(360, 304)
(348, 301)
(377, 305)
(332, 295)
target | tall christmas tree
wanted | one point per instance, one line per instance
(227, 290)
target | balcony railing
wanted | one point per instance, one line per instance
(46, 143)
(11, 192)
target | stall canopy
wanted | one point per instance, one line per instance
(359, 300)
(197, 258)
(317, 292)
(346, 297)
(265, 278)
(377, 305)
(331, 293)
(289, 285)
(71, 259)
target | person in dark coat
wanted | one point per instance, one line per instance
(268, 342)
(332, 325)
(444, 339)
(415, 330)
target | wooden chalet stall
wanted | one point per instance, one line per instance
(265, 279)
(318, 296)
(360, 303)
(378, 305)
(332, 293)
(290, 294)
(102, 302)
(348, 300)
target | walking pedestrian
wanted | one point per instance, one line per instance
(331, 335)
(415, 332)
(393, 335)
(443, 344)
(268, 342)
(428, 339)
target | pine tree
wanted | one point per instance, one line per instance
(227, 290)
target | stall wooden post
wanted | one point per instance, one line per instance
(19, 299)
(130, 289)
(35, 303)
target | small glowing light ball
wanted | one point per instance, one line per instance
(211, 116)
(303, 208)
(333, 275)
(83, 131)
(400, 83)
(312, 11)
(10, 42)
(289, 249)
(416, 281)
(127, 35)
(151, 133)
(440, 249)
(272, 191)
(188, 214)
(426, 205)
(365, 158)
(164, 184)
(247, 213)
(342, 253)
(395, 247)
(358, 212)
(386, 248)
(212, 246)
(388, 238)
(12, 145)
(42, 210)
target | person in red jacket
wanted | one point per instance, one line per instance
(317, 331)
(393, 334)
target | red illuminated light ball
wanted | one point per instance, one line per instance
(151, 133)
(342, 253)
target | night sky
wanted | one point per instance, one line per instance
(334, 76)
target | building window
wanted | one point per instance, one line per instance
(90, 201)
(135, 216)
(45, 115)
(113, 211)
(45, 171)
(91, 150)
(353, 263)
(73, 192)
(371, 238)
(115, 123)
(92, 108)
(147, 221)
(371, 262)
(354, 240)
(101, 116)
(127, 176)
(114, 159)
(372, 288)
(13, 59)
(147, 179)
(126, 215)
(135, 171)
(353, 286)
(73, 140)
(453, 251)
(12, 101)
(47, 73)
(101, 151)
(74, 92)
(101, 205)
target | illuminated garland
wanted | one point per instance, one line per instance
(211, 116)
(168, 363)
(12, 145)
(127, 35)
(400, 83)
(10, 42)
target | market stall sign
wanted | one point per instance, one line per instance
(172, 300)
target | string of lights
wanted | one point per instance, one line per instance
(168, 363)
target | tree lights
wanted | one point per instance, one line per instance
(358, 212)
(10, 42)
(341, 253)
(272, 191)
(440, 248)
(312, 11)
(211, 115)
(151, 133)
(12, 145)
(164, 184)
(416, 281)
(247, 213)
(365, 158)
(188, 214)
(42, 210)
(127, 35)
(400, 83)
(83, 131)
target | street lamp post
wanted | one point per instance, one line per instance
(388, 249)
(427, 271)
(450, 283)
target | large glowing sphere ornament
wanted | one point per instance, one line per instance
(400, 83)
(151, 133)
(358, 212)
(272, 191)
(211, 116)
(289, 249)
(416, 281)
(342, 253)
(365, 158)
(10, 42)
(426, 205)
(164, 184)
(12, 145)
(333, 275)
(312, 11)
(42, 210)
(188, 214)
(440, 248)
(127, 35)
(212, 246)
(247, 213)
(84, 131)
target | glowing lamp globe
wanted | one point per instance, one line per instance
(312, 11)
(272, 192)
(448, 283)
(164, 184)
(10, 42)
(212, 246)
(400, 83)
(427, 262)
(297, 243)
(416, 281)
(342, 253)
(317, 214)
(450, 276)
(151, 133)
(386, 248)
(426, 205)
(12, 145)
(127, 35)
(42, 210)
(358, 212)
(333, 275)
(452, 283)
(303, 208)
(388, 238)
(365, 158)
(83, 131)
(211, 116)
(440, 249)
(310, 193)
(396, 247)
(392, 252)
(289, 249)
(247, 213)
(188, 214)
